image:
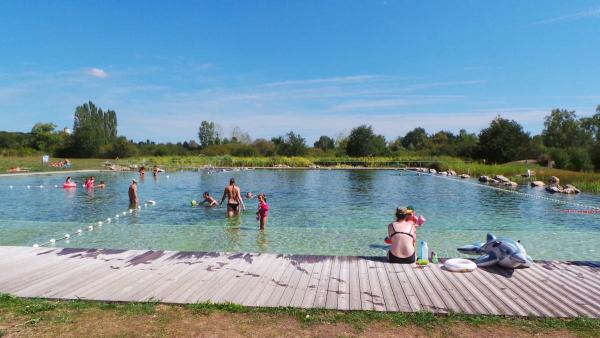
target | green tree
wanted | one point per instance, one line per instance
(291, 145)
(591, 125)
(503, 141)
(466, 144)
(325, 143)
(43, 137)
(563, 129)
(363, 142)
(208, 134)
(121, 147)
(92, 129)
(416, 139)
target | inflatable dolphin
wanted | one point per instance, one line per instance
(502, 251)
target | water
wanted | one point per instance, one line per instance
(340, 212)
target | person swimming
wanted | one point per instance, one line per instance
(69, 180)
(403, 236)
(249, 195)
(102, 185)
(209, 201)
(234, 199)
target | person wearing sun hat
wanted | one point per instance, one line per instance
(402, 235)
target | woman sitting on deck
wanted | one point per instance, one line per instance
(403, 236)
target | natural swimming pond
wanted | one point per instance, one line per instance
(336, 212)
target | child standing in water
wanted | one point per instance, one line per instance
(262, 215)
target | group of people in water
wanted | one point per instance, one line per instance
(235, 202)
(401, 234)
(90, 183)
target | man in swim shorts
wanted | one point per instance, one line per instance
(403, 235)
(133, 196)
(234, 199)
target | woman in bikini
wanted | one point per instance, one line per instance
(403, 235)
(234, 199)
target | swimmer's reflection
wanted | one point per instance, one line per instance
(262, 240)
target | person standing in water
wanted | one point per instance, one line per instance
(133, 196)
(262, 215)
(234, 199)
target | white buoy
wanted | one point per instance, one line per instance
(139, 207)
(52, 240)
(108, 220)
(167, 176)
(67, 236)
(56, 186)
(41, 187)
(79, 231)
(131, 211)
(36, 245)
(11, 186)
(117, 216)
(28, 187)
(124, 213)
(100, 223)
(145, 205)
(90, 228)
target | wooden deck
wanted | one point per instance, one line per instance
(549, 289)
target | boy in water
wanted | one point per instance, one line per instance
(133, 196)
(209, 201)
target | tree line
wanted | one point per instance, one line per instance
(567, 141)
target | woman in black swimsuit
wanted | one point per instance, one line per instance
(402, 234)
(234, 199)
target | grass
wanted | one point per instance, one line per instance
(589, 182)
(31, 315)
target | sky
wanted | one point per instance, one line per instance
(314, 67)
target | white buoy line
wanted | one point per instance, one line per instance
(96, 225)
(467, 181)
(37, 186)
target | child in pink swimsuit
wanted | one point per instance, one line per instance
(262, 214)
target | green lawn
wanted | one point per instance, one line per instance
(30, 317)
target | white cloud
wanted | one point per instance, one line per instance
(97, 72)
(587, 14)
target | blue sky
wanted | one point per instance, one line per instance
(315, 67)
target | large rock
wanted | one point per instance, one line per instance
(501, 178)
(451, 172)
(554, 188)
(554, 180)
(493, 181)
(570, 189)
(443, 173)
(433, 171)
(464, 176)
(510, 184)
(537, 184)
(484, 178)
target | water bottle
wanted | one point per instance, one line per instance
(423, 258)
(434, 257)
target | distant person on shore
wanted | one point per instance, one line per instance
(249, 195)
(134, 200)
(234, 199)
(403, 237)
(102, 185)
(262, 215)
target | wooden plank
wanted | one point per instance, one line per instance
(334, 282)
(302, 268)
(343, 301)
(302, 287)
(281, 284)
(487, 303)
(386, 288)
(510, 299)
(276, 268)
(441, 289)
(263, 298)
(366, 298)
(376, 292)
(587, 293)
(311, 289)
(224, 276)
(439, 306)
(424, 300)
(225, 288)
(462, 293)
(408, 288)
(321, 295)
(354, 285)
(251, 278)
(556, 296)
